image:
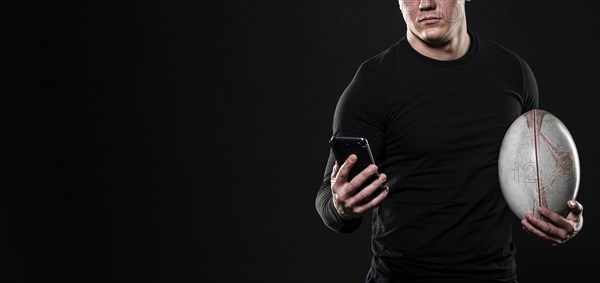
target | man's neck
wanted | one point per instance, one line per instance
(451, 50)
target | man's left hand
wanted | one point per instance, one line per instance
(554, 228)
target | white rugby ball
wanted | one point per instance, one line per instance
(538, 164)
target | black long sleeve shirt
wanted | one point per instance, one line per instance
(435, 128)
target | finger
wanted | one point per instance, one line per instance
(554, 225)
(334, 172)
(549, 230)
(359, 180)
(342, 175)
(367, 191)
(556, 219)
(533, 230)
(525, 229)
(373, 202)
(575, 207)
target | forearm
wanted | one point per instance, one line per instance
(325, 208)
(360, 112)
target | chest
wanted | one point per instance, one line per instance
(429, 117)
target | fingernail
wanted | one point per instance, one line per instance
(382, 178)
(572, 203)
(352, 157)
(373, 169)
(387, 189)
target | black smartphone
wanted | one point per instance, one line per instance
(342, 147)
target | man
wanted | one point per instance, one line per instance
(434, 108)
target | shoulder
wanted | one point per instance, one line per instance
(375, 71)
(366, 87)
(381, 63)
(509, 67)
(497, 52)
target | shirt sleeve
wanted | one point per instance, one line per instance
(360, 112)
(530, 88)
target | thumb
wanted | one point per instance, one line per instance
(575, 207)
(336, 168)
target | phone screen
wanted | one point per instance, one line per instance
(344, 146)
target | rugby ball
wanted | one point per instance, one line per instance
(538, 164)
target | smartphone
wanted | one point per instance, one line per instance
(342, 147)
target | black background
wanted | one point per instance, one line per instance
(184, 141)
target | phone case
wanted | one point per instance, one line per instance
(344, 146)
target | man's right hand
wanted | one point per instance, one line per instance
(350, 197)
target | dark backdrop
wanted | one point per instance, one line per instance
(184, 141)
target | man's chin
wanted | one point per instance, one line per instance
(434, 38)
